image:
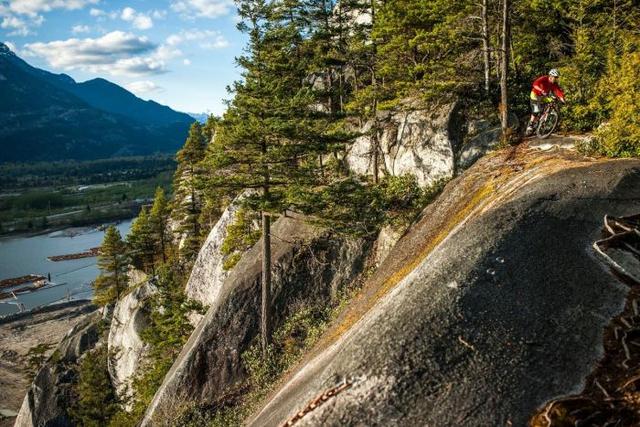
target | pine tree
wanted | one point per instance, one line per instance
(209, 128)
(96, 401)
(159, 219)
(504, 69)
(141, 242)
(620, 137)
(271, 136)
(113, 264)
(421, 48)
(188, 194)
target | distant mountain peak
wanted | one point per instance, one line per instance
(4, 50)
(50, 116)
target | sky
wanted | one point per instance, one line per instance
(179, 53)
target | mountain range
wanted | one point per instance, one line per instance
(47, 116)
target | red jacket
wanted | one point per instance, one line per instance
(543, 87)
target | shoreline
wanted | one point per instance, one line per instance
(56, 306)
(35, 233)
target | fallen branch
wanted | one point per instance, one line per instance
(628, 383)
(466, 344)
(318, 401)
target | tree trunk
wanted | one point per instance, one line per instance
(485, 47)
(374, 83)
(265, 324)
(163, 243)
(506, 42)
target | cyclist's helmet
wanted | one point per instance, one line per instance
(554, 73)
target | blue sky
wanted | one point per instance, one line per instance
(177, 52)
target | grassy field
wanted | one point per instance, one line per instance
(42, 196)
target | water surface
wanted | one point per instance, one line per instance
(20, 256)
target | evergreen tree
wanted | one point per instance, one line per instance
(620, 137)
(421, 45)
(505, 52)
(271, 136)
(209, 128)
(159, 220)
(96, 401)
(113, 264)
(141, 242)
(188, 195)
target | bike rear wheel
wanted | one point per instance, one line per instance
(548, 124)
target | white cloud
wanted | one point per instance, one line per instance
(203, 8)
(186, 62)
(165, 53)
(77, 29)
(128, 13)
(34, 7)
(139, 21)
(18, 27)
(115, 53)
(218, 43)
(22, 16)
(142, 22)
(144, 86)
(102, 15)
(159, 14)
(208, 39)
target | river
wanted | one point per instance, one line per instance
(20, 256)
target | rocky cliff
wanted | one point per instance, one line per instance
(308, 264)
(208, 273)
(490, 306)
(421, 142)
(431, 143)
(126, 348)
(50, 394)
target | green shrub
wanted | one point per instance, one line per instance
(241, 235)
(36, 356)
(355, 207)
(620, 137)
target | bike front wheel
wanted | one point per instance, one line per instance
(548, 124)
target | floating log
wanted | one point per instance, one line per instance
(25, 289)
(93, 252)
(15, 281)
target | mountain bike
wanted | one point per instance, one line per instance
(549, 119)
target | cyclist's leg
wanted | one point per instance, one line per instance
(536, 109)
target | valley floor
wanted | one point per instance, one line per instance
(22, 334)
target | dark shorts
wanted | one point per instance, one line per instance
(537, 105)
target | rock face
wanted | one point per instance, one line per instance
(208, 274)
(308, 264)
(22, 332)
(49, 396)
(420, 142)
(487, 308)
(387, 239)
(481, 138)
(127, 350)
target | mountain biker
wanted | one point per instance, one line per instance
(542, 88)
